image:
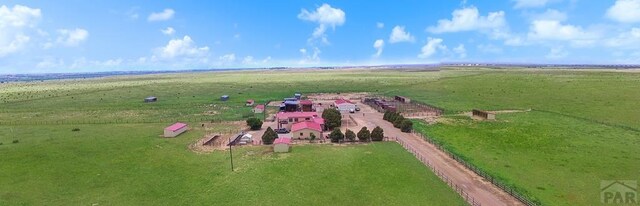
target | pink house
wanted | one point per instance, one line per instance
(175, 129)
(303, 130)
(287, 119)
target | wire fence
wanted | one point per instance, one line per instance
(498, 183)
(107, 121)
(470, 199)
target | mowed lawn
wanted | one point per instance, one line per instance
(557, 160)
(130, 164)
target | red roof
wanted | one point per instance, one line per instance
(287, 115)
(282, 141)
(260, 106)
(318, 120)
(176, 126)
(342, 101)
(306, 125)
(249, 100)
(306, 102)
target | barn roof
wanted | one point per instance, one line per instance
(176, 126)
(286, 115)
(343, 101)
(306, 125)
(306, 102)
(282, 141)
(260, 106)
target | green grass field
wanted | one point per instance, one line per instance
(583, 129)
(132, 165)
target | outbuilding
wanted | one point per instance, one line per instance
(303, 130)
(150, 99)
(250, 102)
(344, 105)
(306, 105)
(259, 108)
(175, 129)
(224, 97)
(282, 145)
(483, 115)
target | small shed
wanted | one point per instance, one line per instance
(282, 145)
(306, 105)
(259, 108)
(250, 102)
(402, 99)
(150, 99)
(224, 97)
(175, 129)
(483, 115)
(297, 96)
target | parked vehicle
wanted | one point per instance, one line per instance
(352, 111)
(282, 131)
(357, 108)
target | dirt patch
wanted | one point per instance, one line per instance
(334, 96)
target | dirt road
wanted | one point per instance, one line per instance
(482, 191)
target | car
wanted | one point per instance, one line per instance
(282, 131)
(357, 108)
(352, 111)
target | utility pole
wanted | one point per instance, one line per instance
(231, 154)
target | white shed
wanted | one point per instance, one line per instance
(282, 145)
(175, 129)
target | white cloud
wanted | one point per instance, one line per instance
(379, 46)
(266, 60)
(460, 51)
(166, 14)
(325, 16)
(551, 15)
(625, 40)
(184, 47)
(50, 62)
(247, 60)
(626, 11)
(432, 46)
(520, 4)
(554, 30)
(310, 58)
(469, 19)
(379, 25)
(399, 35)
(15, 23)
(71, 38)
(557, 53)
(168, 31)
(228, 58)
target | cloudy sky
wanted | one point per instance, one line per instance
(81, 36)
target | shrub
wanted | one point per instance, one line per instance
(16, 141)
(377, 134)
(332, 118)
(312, 137)
(350, 135)
(364, 134)
(398, 121)
(254, 123)
(269, 136)
(336, 135)
(406, 125)
(75, 129)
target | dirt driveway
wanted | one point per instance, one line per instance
(482, 191)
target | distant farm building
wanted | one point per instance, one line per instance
(282, 145)
(224, 97)
(250, 102)
(175, 129)
(306, 105)
(150, 99)
(297, 96)
(344, 105)
(291, 105)
(259, 108)
(402, 99)
(287, 119)
(303, 130)
(483, 115)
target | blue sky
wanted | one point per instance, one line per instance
(85, 36)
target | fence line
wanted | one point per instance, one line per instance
(471, 200)
(509, 190)
(113, 121)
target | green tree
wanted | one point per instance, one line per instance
(336, 135)
(386, 115)
(398, 121)
(350, 135)
(406, 125)
(364, 134)
(312, 137)
(254, 123)
(377, 134)
(332, 118)
(269, 136)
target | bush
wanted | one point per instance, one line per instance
(75, 129)
(336, 135)
(254, 123)
(350, 135)
(406, 125)
(364, 134)
(332, 118)
(386, 115)
(269, 136)
(312, 137)
(377, 134)
(398, 121)
(16, 141)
